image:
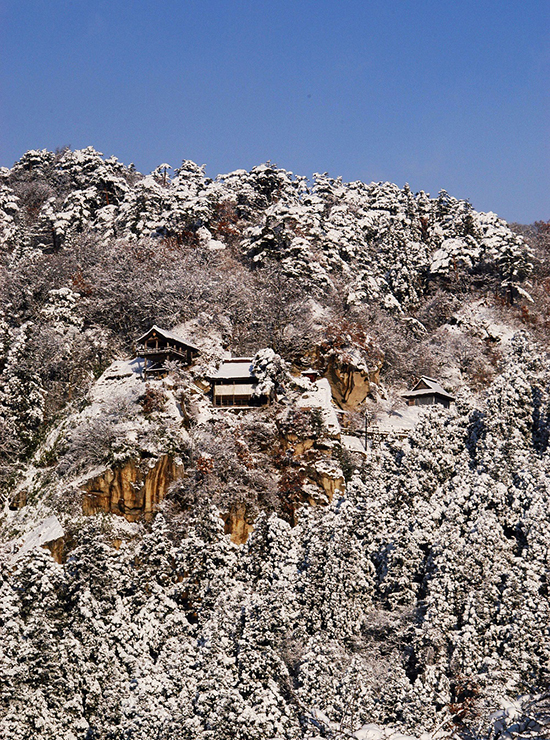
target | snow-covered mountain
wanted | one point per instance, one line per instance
(334, 564)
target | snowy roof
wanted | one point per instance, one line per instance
(427, 386)
(237, 367)
(166, 335)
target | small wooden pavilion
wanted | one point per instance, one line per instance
(157, 347)
(234, 384)
(428, 392)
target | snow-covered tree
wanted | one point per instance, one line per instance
(22, 395)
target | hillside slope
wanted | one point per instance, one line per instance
(173, 570)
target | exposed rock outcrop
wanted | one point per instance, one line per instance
(330, 479)
(237, 525)
(351, 360)
(49, 534)
(350, 385)
(56, 548)
(18, 500)
(132, 490)
(297, 446)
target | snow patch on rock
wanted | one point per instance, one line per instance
(48, 530)
(320, 397)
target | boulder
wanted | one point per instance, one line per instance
(350, 385)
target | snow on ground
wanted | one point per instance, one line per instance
(376, 732)
(369, 731)
(121, 382)
(123, 369)
(352, 444)
(119, 394)
(48, 530)
(23, 520)
(199, 330)
(201, 407)
(399, 420)
(319, 396)
(482, 320)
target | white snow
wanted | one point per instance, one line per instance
(376, 732)
(352, 444)
(215, 245)
(328, 468)
(123, 369)
(481, 320)
(443, 257)
(399, 420)
(48, 530)
(320, 397)
(369, 731)
(166, 334)
(236, 367)
(119, 380)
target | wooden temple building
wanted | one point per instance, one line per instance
(234, 384)
(428, 392)
(157, 347)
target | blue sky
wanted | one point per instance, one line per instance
(450, 95)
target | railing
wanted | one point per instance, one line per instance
(148, 352)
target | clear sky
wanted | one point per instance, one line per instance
(435, 93)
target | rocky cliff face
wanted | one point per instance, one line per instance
(56, 547)
(132, 490)
(350, 385)
(237, 525)
(328, 477)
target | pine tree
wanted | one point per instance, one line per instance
(21, 392)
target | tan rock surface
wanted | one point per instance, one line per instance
(237, 525)
(331, 485)
(349, 385)
(56, 548)
(133, 490)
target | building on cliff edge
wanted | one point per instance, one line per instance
(157, 347)
(428, 392)
(234, 384)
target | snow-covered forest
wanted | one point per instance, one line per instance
(173, 570)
